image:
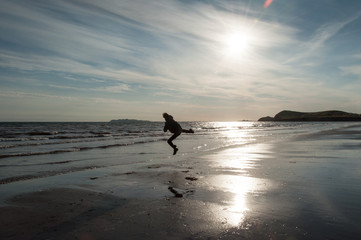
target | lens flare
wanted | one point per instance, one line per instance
(267, 3)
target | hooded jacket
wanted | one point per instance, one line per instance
(171, 124)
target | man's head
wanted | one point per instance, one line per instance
(167, 116)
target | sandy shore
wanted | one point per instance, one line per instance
(179, 199)
(63, 213)
(76, 214)
(79, 214)
(292, 190)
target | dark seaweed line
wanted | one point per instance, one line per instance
(46, 174)
(41, 164)
(38, 153)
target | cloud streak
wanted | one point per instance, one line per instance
(315, 45)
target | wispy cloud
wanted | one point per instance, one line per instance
(354, 69)
(314, 47)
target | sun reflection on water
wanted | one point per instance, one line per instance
(236, 133)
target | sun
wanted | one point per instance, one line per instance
(235, 43)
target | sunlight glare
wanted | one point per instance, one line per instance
(236, 43)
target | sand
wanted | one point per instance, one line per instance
(79, 214)
(306, 188)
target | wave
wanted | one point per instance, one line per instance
(36, 133)
(210, 128)
(22, 139)
(26, 154)
(82, 136)
(54, 143)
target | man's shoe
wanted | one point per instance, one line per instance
(175, 150)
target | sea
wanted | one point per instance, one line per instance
(41, 149)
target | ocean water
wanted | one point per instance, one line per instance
(35, 150)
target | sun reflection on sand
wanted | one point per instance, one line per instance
(240, 159)
(237, 206)
(233, 175)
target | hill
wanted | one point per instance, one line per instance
(332, 115)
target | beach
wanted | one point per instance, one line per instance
(287, 181)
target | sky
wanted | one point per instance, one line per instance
(206, 60)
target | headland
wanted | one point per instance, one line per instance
(331, 115)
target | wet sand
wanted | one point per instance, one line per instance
(305, 188)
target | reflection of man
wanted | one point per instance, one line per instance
(175, 128)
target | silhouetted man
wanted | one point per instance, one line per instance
(175, 128)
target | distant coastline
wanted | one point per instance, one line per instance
(331, 115)
(128, 121)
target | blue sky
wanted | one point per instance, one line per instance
(89, 60)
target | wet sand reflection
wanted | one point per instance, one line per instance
(232, 173)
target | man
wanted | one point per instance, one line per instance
(175, 128)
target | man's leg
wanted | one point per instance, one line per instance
(187, 131)
(174, 136)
